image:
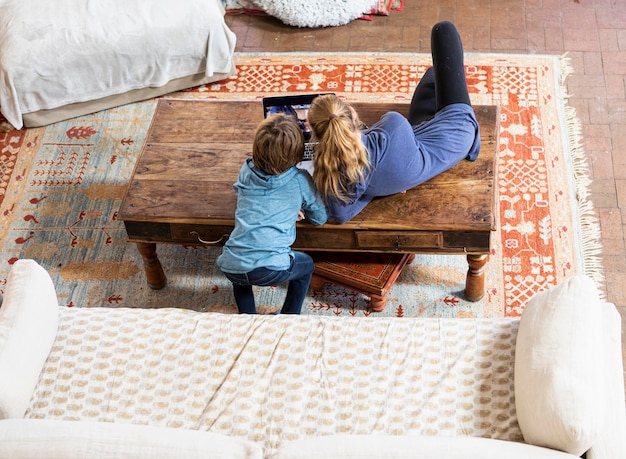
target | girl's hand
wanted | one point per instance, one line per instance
(300, 215)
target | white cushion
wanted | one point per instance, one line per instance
(319, 13)
(559, 367)
(28, 324)
(408, 447)
(46, 439)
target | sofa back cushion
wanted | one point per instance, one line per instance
(412, 447)
(44, 439)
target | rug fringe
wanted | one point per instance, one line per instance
(590, 233)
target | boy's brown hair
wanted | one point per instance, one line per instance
(278, 144)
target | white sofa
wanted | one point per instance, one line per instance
(68, 58)
(167, 382)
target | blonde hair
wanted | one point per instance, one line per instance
(340, 157)
(278, 144)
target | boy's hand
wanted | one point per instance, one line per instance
(300, 215)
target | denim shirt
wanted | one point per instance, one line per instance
(265, 219)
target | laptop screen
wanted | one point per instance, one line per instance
(298, 106)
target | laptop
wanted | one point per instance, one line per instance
(298, 106)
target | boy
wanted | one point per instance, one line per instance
(272, 194)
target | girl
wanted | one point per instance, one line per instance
(353, 166)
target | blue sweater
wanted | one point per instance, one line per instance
(402, 156)
(265, 219)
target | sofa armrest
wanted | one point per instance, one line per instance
(29, 318)
(560, 364)
(569, 382)
(612, 439)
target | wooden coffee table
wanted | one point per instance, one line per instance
(181, 192)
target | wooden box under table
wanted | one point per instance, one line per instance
(372, 274)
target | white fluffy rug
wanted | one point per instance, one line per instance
(315, 13)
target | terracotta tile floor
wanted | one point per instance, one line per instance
(591, 32)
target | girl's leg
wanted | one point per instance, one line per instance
(449, 73)
(443, 83)
(423, 104)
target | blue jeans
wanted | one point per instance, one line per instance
(298, 275)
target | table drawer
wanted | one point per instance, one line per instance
(401, 241)
(198, 234)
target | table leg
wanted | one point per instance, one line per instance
(152, 266)
(377, 303)
(475, 281)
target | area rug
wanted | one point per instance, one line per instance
(62, 186)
